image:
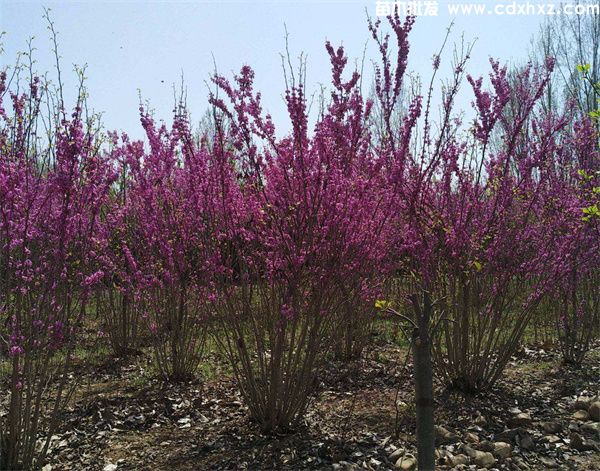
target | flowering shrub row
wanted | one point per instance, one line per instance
(279, 247)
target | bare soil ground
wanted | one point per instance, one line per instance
(361, 417)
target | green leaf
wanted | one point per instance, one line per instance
(583, 68)
(590, 212)
(584, 175)
(382, 304)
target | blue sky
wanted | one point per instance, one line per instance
(134, 45)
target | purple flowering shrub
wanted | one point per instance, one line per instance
(118, 296)
(51, 198)
(573, 194)
(175, 211)
(471, 211)
(308, 244)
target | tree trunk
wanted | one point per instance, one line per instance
(423, 384)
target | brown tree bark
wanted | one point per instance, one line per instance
(423, 374)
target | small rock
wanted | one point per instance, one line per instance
(580, 444)
(480, 420)
(110, 467)
(443, 436)
(591, 428)
(550, 439)
(406, 463)
(594, 411)
(397, 453)
(458, 460)
(574, 426)
(509, 435)
(347, 466)
(471, 437)
(443, 457)
(502, 450)
(581, 415)
(551, 427)
(576, 441)
(520, 420)
(520, 463)
(485, 459)
(480, 458)
(440, 453)
(548, 462)
(185, 422)
(526, 442)
(486, 445)
(582, 403)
